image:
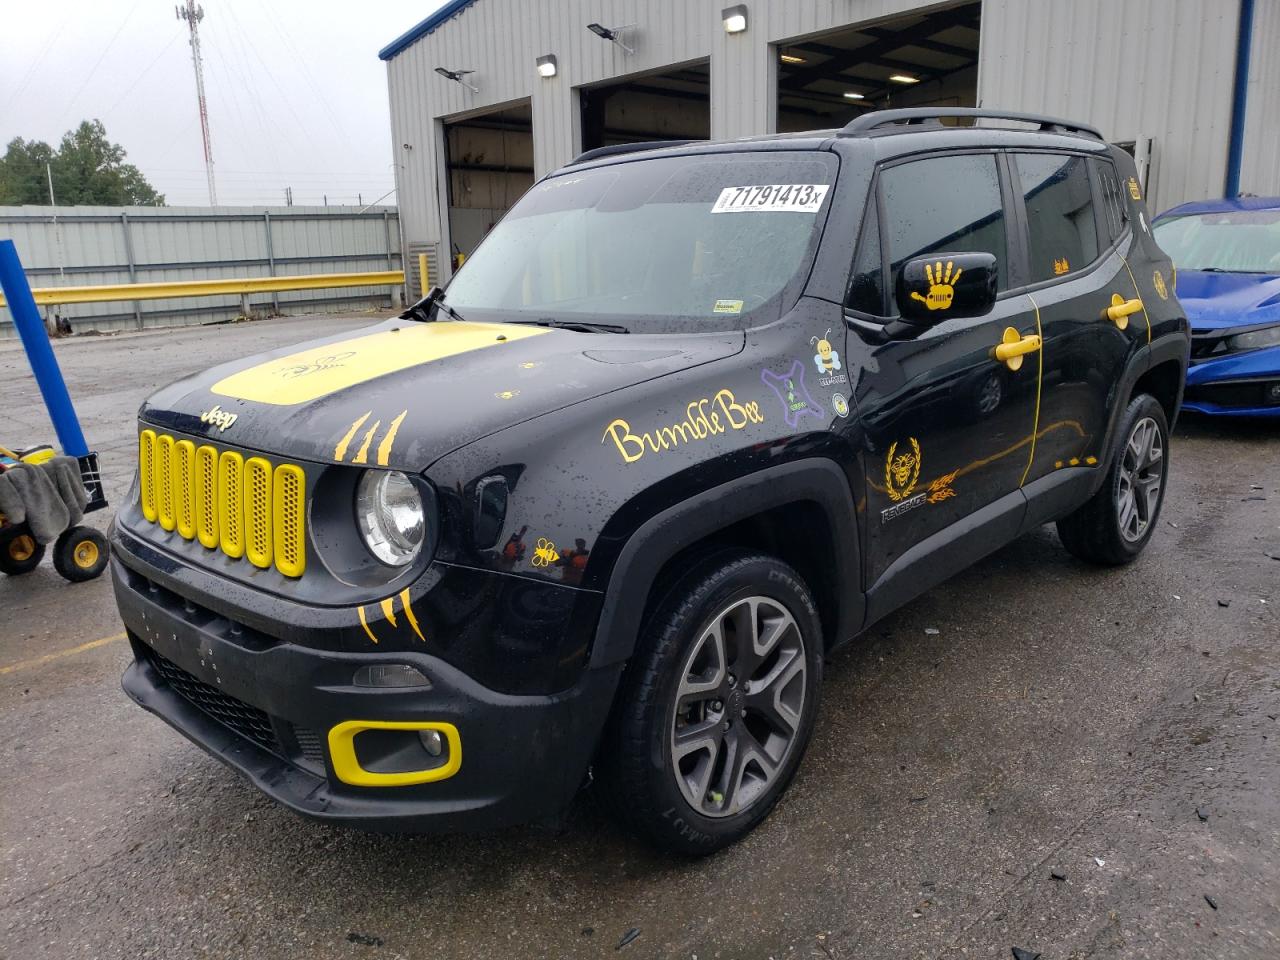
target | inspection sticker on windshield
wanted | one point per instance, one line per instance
(772, 198)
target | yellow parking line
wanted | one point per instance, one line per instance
(50, 657)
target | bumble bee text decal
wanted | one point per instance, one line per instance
(703, 418)
(942, 287)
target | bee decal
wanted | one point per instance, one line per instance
(826, 359)
(544, 553)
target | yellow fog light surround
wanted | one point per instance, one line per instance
(342, 750)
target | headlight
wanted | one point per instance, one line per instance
(1254, 339)
(390, 514)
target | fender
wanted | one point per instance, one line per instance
(664, 535)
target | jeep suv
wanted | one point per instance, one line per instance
(689, 419)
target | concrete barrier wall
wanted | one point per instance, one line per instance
(80, 246)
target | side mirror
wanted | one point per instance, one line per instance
(946, 285)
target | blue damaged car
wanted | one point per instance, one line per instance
(1227, 258)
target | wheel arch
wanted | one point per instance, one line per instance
(802, 512)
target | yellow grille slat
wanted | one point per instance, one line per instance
(257, 512)
(251, 509)
(230, 508)
(164, 481)
(146, 474)
(184, 493)
(289, 520)
(206, 496)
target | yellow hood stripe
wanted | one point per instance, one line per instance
(319, 371)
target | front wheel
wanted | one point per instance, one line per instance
(19, 551)
(719, 706)
(1115, 524)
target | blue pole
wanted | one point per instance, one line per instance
(22, 307)
(1239, 99)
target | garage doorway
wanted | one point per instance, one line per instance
(674, 104)
(918, 60)
(489, 158)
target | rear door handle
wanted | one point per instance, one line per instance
(1015, 346)
(1121, 309)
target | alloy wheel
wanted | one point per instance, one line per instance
(738, 706)
(1140, 480)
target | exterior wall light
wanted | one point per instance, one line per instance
(735, 18)
(547, 65)
(458, 76)
(609, 33)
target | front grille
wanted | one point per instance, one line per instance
(240, 717)
(246, 509)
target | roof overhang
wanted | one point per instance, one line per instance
(440, 17)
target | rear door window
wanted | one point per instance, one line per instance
(1062, 232)
(946, 204)
(1113, 208)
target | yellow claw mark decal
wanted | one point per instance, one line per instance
(544, 553)
(941, 285)
(389, 610)
(901, 471)
(340, 450)
(384, 448)
(940, 489)
(408, 614)
(365, 623)
(362, 455)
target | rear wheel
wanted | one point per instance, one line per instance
(1115, 524)
(80, 554)
(19, 551)
(723, 691)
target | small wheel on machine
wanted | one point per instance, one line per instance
(714, 719)
(19, 551)
(1114, 525)
(80, 553)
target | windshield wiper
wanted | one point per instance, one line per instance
(421, 311)
(581, 326)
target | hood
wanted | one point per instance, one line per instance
(1215, 301)
(404, 393)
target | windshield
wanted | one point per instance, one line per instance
(665, 244)
(1234, 241)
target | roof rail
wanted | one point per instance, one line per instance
(619, 148)
(911, 116)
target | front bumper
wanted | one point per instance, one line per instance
(265, 707)
(1238, 385)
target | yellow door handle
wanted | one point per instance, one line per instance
(1120, 310)
(1015, 346)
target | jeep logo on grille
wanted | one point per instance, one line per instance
(219, 418)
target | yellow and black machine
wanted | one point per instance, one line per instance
(79, 552)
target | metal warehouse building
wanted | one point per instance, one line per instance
(487, 95)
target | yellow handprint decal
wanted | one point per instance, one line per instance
(941, 285)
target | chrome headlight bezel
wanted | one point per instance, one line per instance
(391, 517)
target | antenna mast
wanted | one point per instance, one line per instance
(193, 15)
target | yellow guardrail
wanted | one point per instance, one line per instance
(212, 288)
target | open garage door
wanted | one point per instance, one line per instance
(490, 164)
(672, 105)
(919, 60)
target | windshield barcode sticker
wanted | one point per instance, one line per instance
(772, 198)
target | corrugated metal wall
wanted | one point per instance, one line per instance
(1140, 68)
(1137, 68)
(109, 245)
(1260, 171)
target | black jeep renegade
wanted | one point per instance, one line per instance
(690, 418)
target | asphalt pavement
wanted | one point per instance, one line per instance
(1037, 754)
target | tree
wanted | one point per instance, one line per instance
(87, 168)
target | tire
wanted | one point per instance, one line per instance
(1116, 523)
(654, 764)
(80, 554)
(19, 551)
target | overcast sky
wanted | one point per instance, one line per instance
(297, 95)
